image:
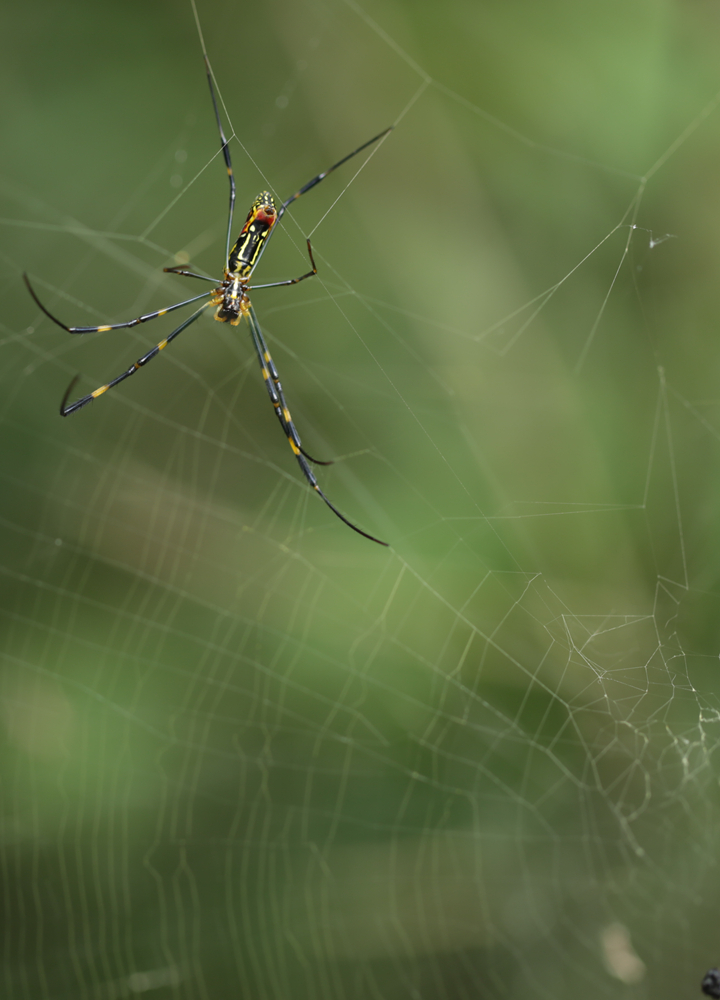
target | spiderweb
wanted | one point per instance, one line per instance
(247, 752)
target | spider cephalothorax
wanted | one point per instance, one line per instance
(231, 299)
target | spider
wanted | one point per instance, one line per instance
(231, 301)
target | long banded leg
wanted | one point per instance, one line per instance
(293, 281)
(321, 177)
(311, 184)
(65, 409)
(189, 274)
(226, 154)
(274, 388)
(111, 326)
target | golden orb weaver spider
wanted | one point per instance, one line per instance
(231, 301)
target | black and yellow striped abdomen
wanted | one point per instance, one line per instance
(258, 225)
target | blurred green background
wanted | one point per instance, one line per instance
(247, 752)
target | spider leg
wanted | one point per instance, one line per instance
(189, 274)
(272, 381)
(226, 154)
(306, 187)
(66, 408)
(272, 384)
(294, 281)
(111, 326)
(324, 174)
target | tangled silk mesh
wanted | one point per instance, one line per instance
(248, 753)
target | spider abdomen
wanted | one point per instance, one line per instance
(258, 225)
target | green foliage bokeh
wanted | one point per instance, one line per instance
(246, 752)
